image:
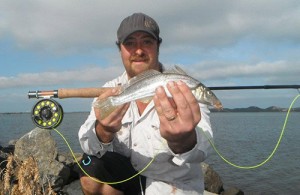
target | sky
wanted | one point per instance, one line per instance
(53, 44)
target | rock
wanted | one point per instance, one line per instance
(68, 160)
(54, 172)
(3, 157)
(232, 191)
(12, 142)
(208, 193)
(60, 170)
(61, 158)
(4, 152)
(214, 184)
(212, 181)
(37, 143)
(40, 144)
(73, 188)
(8, 149)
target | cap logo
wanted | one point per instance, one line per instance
(148, 24)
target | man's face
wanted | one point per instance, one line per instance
(139, 52)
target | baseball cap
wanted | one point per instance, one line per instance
(137, 22)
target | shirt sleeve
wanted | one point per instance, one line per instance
(204, 134)
(88, 139)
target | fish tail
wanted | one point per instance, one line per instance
(106, 107)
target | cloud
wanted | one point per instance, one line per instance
(78, 26)
(270, 72)
(86, 75)
(219, 42)
(56, 25)
(266, 72)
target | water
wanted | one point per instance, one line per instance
(243, 138)
(248, 139)
(13, 126)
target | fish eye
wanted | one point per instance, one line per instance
(209, 93)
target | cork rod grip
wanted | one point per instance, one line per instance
(81, 92)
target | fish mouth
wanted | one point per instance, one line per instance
(218, 105)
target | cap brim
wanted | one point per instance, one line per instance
(138, 30)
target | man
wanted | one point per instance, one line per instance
(165, 130)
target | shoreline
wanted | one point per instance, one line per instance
(40, 146)
(245, 109)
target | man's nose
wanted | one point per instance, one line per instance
(139, 49)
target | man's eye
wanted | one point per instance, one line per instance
(128, 43)
(148, 42)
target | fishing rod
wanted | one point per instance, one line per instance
(256, 87)
(48, 113)
(95, 92)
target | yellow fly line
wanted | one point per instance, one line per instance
(210, 141)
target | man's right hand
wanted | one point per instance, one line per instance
(107, 127)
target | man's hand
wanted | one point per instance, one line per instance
(107, 127)
(178, 116)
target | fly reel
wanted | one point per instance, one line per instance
(47, 114)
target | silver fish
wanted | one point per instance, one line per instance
(142, 87)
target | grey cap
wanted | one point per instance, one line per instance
(137, 22)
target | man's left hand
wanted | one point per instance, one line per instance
(178, 116)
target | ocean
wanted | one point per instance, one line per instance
(244, 139)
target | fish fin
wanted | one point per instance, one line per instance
(106, 107)
(142, 76)
(175, 70)
(146, 100)
(180, 70)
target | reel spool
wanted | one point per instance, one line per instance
(47, 114)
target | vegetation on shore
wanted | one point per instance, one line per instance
(20, 178)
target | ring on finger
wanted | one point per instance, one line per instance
(171, 118)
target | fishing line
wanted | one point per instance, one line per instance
(210, 141)
(95, 179)
(272, 153)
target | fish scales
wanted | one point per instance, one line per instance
(146, 87)
(143, 86)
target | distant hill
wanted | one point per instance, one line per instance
(256, 109)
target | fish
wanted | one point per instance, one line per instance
(142, 87)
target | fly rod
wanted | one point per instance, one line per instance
(48, 113)
(256, 87)
(95, 92)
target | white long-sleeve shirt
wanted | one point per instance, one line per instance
(139, 138)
